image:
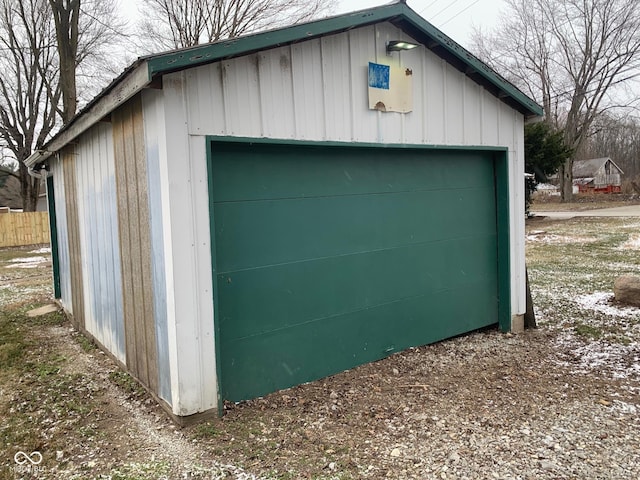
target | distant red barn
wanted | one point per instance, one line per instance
(600, 175)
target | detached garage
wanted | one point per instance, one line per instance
(244, 216)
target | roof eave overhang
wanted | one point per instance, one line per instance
(445, 47)
(128, 84)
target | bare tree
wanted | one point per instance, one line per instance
(617, 137)
(85, 31)
(28, 89)
(66, 15)
(31, 84)
(170, 24)
(571, 55)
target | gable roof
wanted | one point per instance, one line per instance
(589, 168)
(147, 69)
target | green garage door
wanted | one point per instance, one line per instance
(330, 257)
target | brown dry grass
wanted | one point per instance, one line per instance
(582, 202)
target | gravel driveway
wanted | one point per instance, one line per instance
(480, 406)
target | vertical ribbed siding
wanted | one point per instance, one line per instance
(135, 251)
(156, 154)
(318, 90)
(307, 89)
(73, 228)
(96, 186)
(187, 242)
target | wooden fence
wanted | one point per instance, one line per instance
(17, 229)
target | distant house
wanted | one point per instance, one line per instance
(597, 175)
(10, 198)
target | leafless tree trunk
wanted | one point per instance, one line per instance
(28, 91)
(66, 15)
(35, 44)
(171, 24)
(571, 55)
(83, 29)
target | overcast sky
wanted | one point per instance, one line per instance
(453, 17)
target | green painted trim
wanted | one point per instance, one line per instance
(501, 162)
(53, 234)
(214, 277)
(397, 13)
(410, 146)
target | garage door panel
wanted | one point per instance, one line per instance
(295, 293)
(261, 233)
(277, 172)
(329, 257)
(316, 349)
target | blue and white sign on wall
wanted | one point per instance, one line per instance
(379, 75)
(390, 88)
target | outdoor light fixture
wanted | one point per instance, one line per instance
(399, 45)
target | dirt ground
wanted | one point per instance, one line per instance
(484, 405)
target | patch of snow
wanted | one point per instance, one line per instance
(616, 360)
(624, 407)
(221, 471)
(621, 267)
(30, 260)
(601, 302)
(544, 238)
(633, 243)
(24, 265)
(42, 250)
(551, 238)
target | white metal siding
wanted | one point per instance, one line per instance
(102, 280)
(183, 184)
(472, 102)
(307, 89)
(156, 152)
(317, 90)
(515, 122)
(276, 94)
